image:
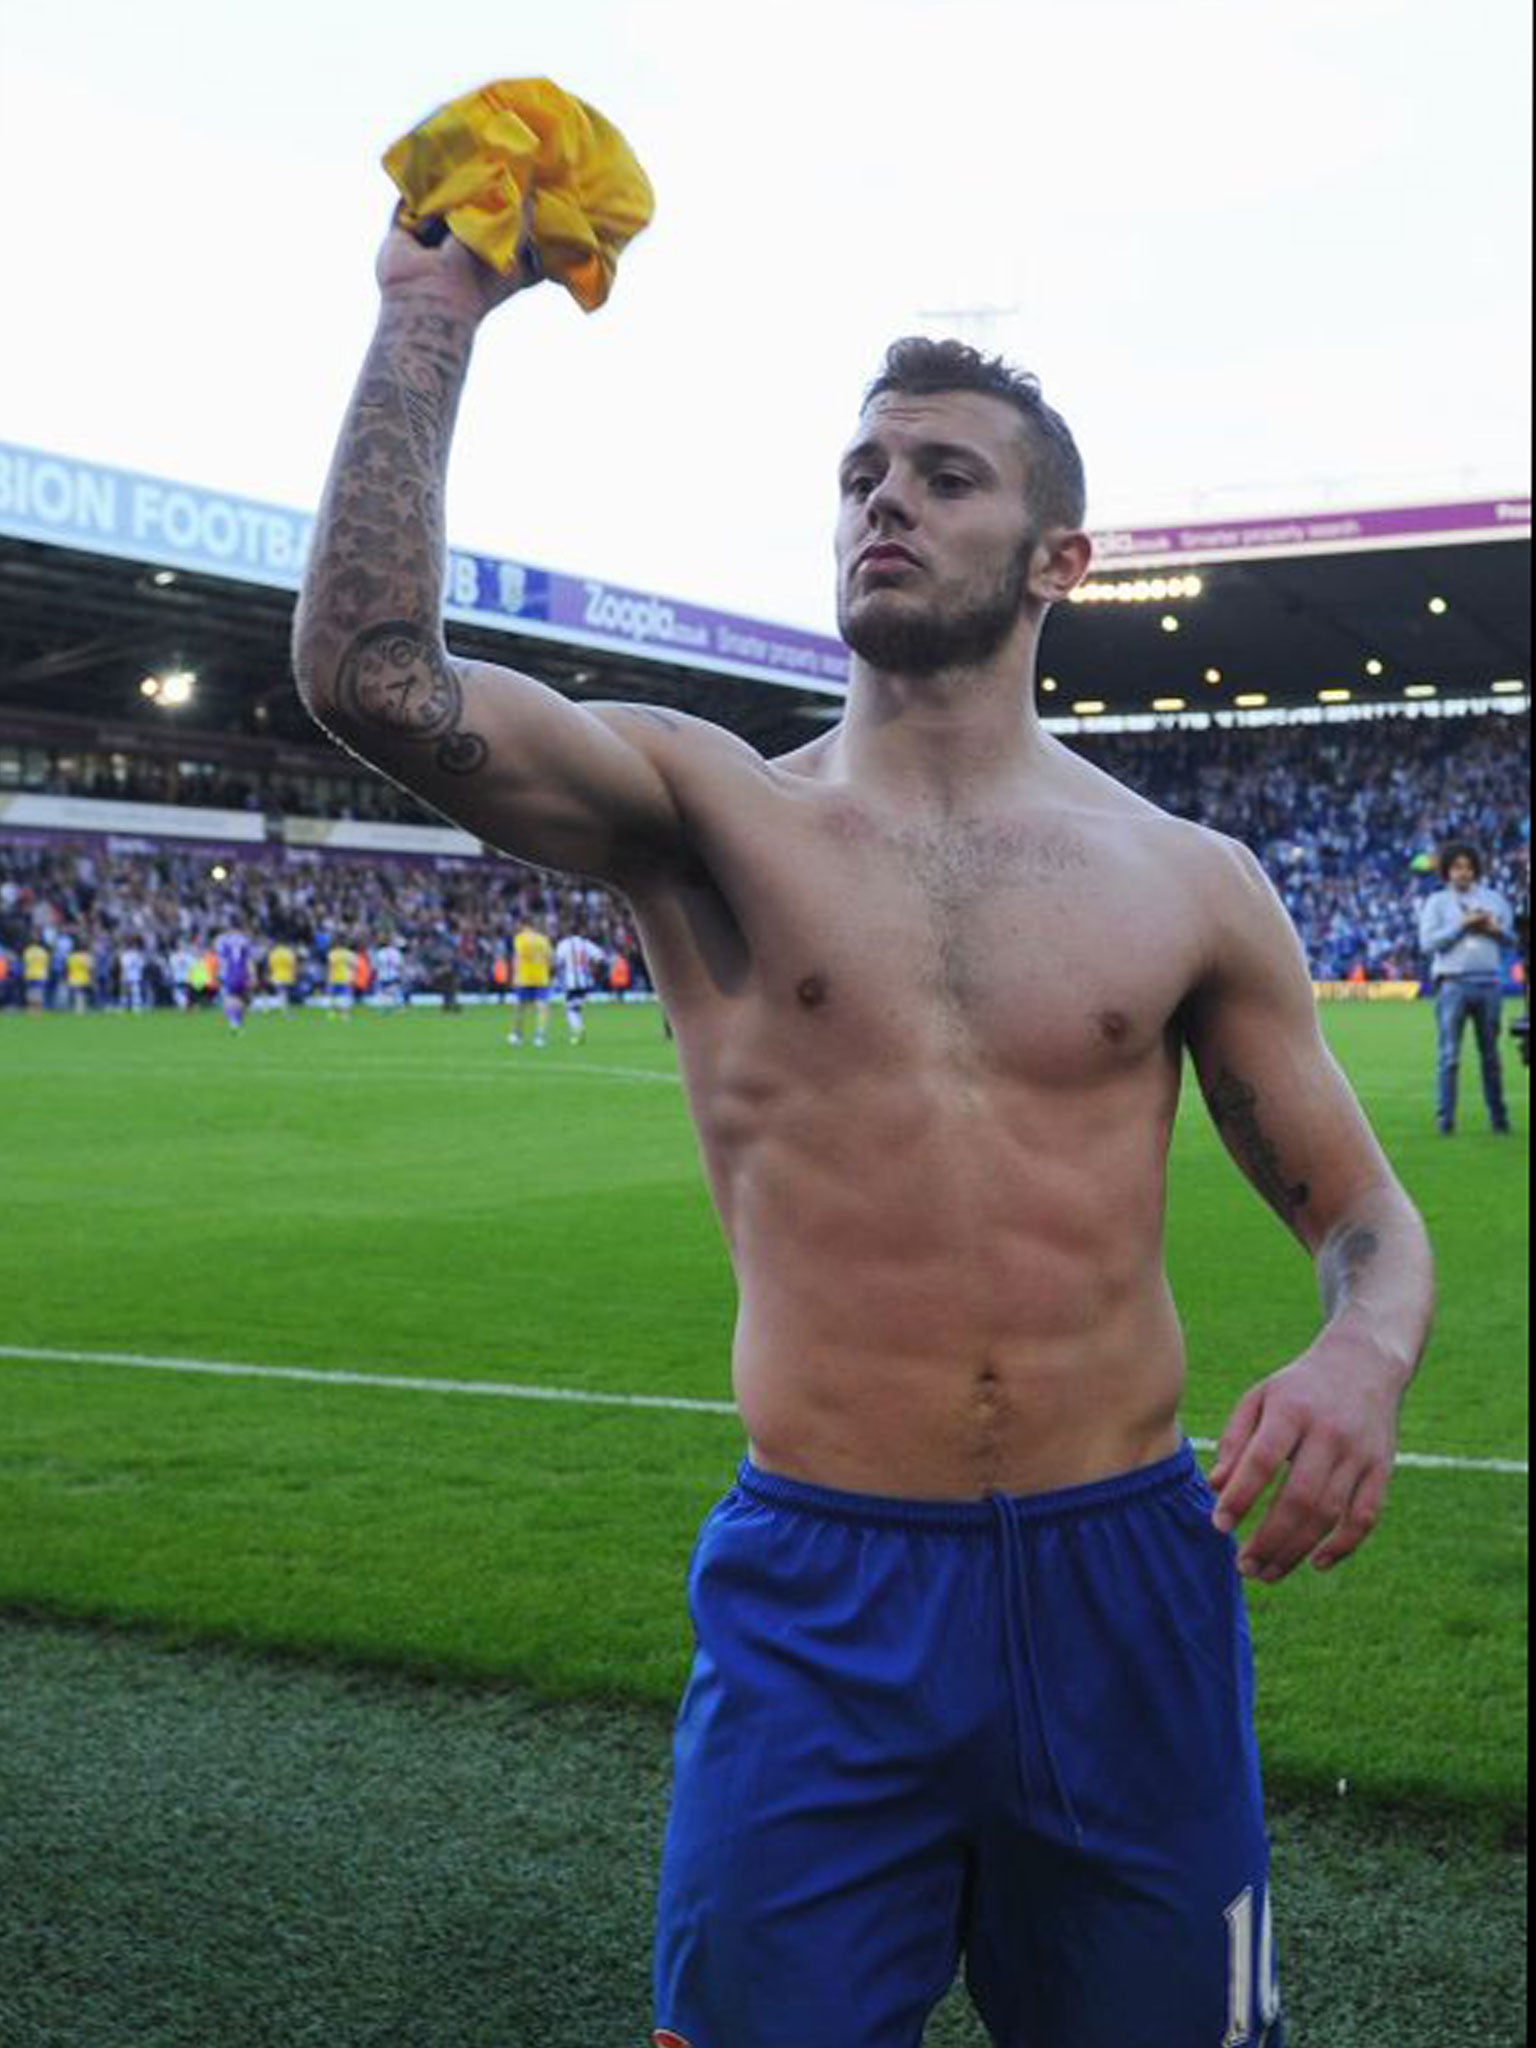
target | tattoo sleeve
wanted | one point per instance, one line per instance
(397, 679)
(1234, 1106)
(368, 637)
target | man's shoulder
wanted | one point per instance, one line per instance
(1150, 832)
(677, 735)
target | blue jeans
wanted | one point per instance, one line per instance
(1480, 998)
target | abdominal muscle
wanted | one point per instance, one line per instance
(971, 1302)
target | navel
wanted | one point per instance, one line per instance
(1114, 1025)
(812, 992)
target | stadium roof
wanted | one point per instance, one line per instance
(106, 576)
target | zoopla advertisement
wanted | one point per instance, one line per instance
(64, 502)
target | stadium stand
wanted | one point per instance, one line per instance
(1342, 816)
(1257, 677)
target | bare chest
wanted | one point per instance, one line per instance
(1042, 947)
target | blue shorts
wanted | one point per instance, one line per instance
(1015, 1734)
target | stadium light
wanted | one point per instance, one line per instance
(1375, 668)
(1213, 675)
(1138, 590)
(1169, 623)
(175, 687)
(1510, 686)
(1334, 696)
(1089, 707)
(1251, 700)
(1421, 690)
(1438, 606)
(1050, 685)
(1170, 704)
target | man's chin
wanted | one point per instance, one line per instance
(903, 639)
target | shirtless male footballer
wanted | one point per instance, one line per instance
(973, 1682)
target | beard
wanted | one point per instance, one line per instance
(961, 634)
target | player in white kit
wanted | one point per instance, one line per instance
(577, 965)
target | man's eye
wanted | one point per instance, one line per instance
(951, 482)
(858, 486)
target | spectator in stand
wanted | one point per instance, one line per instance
(1464, 928)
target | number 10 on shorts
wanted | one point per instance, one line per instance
(1244, 2027)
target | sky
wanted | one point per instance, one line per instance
(1265, 255)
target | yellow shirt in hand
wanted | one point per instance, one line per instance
(474, 161)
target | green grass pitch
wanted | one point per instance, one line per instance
(409, 1196)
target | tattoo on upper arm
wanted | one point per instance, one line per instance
(1234, 1105)
(397, 678)
(1342, 1264)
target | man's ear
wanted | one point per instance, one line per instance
(1060, 564)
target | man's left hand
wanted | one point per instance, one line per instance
(1331, 1418)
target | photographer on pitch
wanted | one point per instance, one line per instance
(1464, 928)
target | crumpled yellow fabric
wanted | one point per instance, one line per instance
(472, 162)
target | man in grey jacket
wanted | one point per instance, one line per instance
(1463, 928)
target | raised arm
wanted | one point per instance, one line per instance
(1292, 1123)
(566, 786)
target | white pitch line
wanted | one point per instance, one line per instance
(508, 1390)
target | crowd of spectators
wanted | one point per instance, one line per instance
(453, 920)
(1345, 818)
(344, 792)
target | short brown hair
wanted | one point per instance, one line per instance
(917, 366)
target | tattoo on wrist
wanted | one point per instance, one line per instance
(396, 678)
(1342, 1264)
(1234, 1105)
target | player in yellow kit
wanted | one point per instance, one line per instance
(34, 973)
(340, 969)
(533, 967)
(283, 972)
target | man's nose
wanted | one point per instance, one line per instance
(889, 502)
